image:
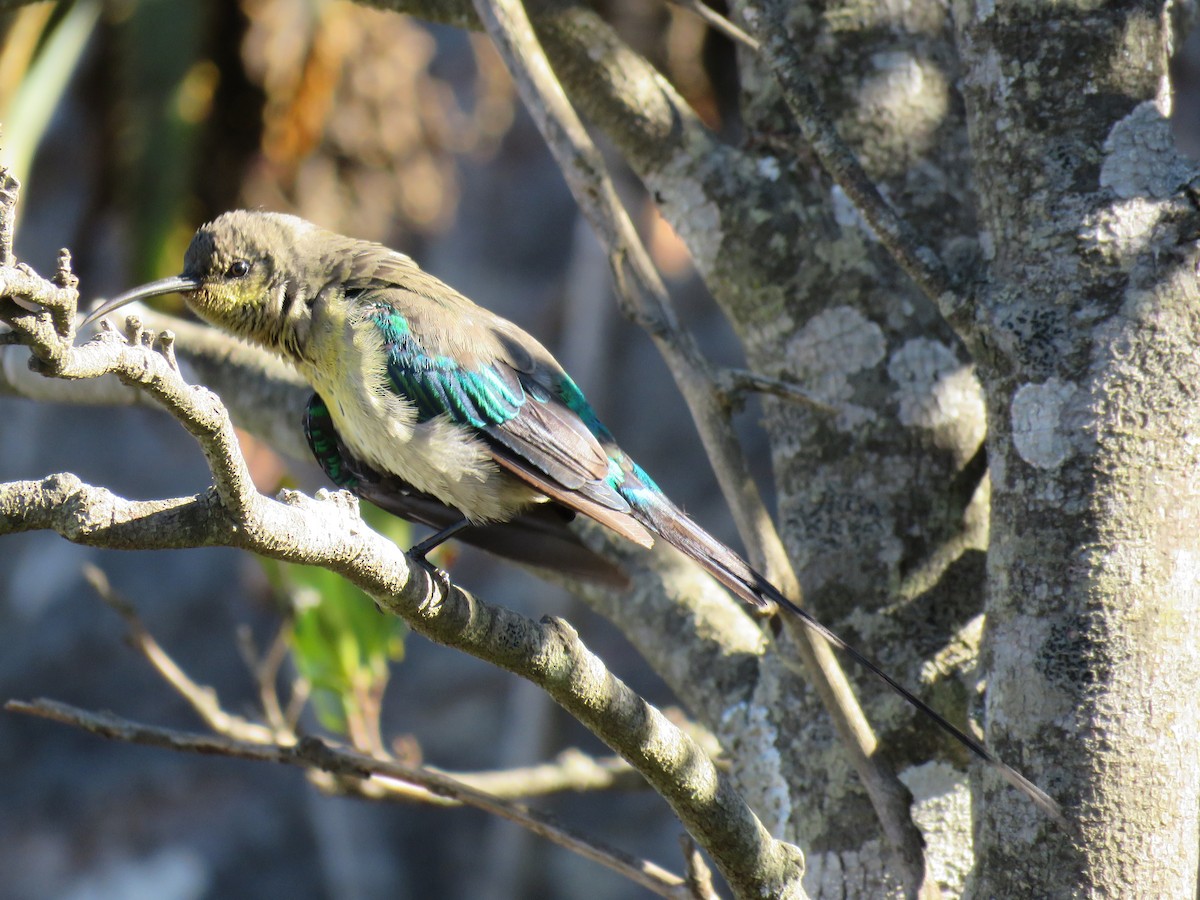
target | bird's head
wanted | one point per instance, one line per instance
(251, 274)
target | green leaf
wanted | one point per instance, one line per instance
(341, 643)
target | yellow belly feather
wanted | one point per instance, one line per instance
(381, 427)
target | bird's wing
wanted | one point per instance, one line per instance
(539, 536)
(485, 375)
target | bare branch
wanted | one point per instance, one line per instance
(312, 753)
(10, 190)
(714, 19)
(202, 699)
(328, 532)
(572, 771)
(48, 333)
(699, 876)
(735, 383)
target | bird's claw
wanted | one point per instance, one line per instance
(437, 573)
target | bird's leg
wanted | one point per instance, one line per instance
(422, 548)
(419, 550)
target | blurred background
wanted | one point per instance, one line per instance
(131, 122)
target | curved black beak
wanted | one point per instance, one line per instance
(177, 284)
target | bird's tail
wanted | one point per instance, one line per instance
(674, 526)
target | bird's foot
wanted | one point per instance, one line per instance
(420, 552)
(437, 573)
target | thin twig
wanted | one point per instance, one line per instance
(297, 700)
(737, 382)
(10, 190)
(572, 771)
(699, 875)
(311, 753)
(267, 675)
(201, 698)
(715, 20)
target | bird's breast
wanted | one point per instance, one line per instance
(347, 365)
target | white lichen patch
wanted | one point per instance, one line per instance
(768, 168)
(1140, 159)
(1121, 230)
(850, 873)
(846, 214)
(1041, 434)
(988, 72)
(695, 217)
(959, 656)
(934, 388)
(1185, 574)
(987, 245)
(942, 810)
(834, 345)
(851, 416)
(909, 96)
(748, 729)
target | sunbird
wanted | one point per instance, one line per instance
(440, 411)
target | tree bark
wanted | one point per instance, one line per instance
(1086, 342)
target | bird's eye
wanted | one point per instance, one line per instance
(238, 268)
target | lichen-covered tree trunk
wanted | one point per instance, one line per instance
(1084, 337)
(882, 505)
(1088, 343)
